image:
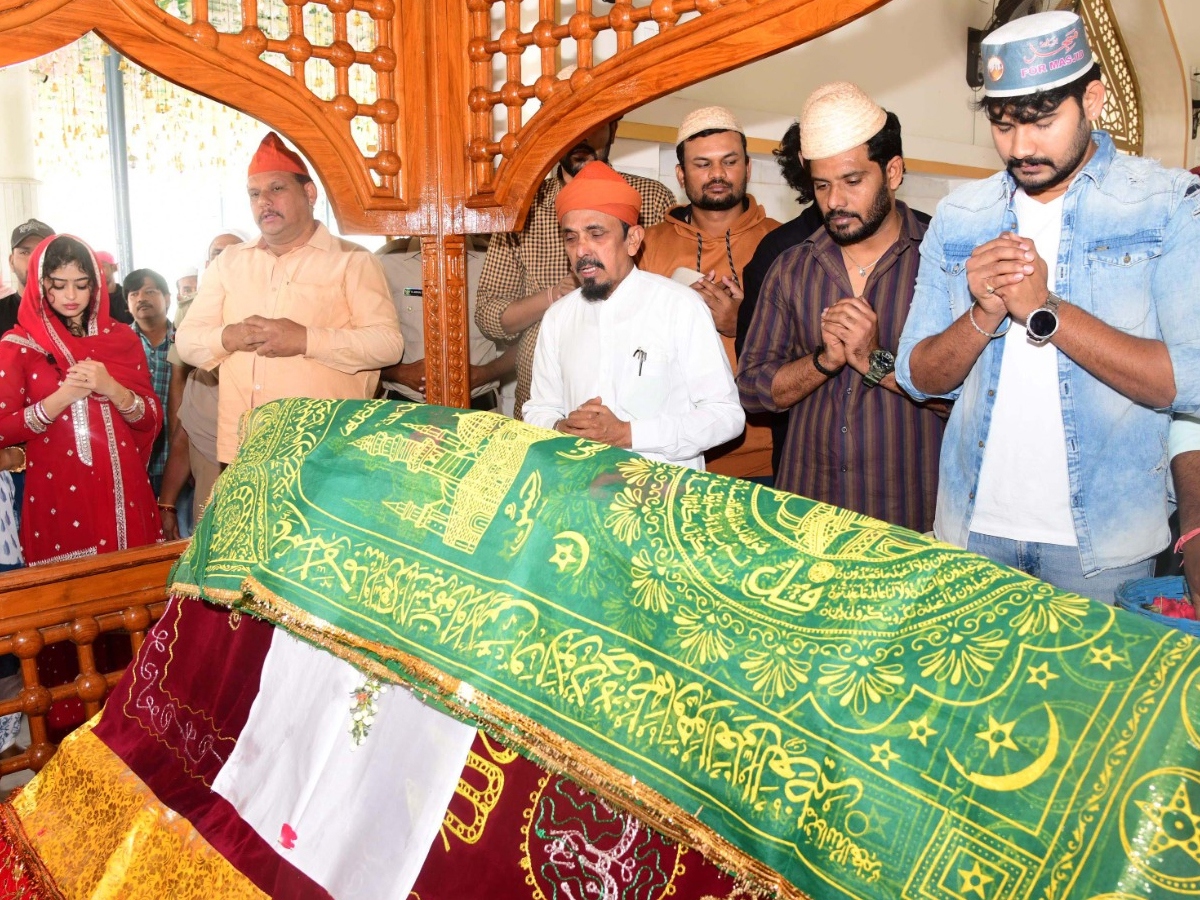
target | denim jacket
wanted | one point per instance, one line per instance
(1130, 255)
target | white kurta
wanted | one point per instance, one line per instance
(651, 353)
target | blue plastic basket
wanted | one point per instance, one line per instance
(1138, 597)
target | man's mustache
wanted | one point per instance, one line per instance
(718, 182)
(1029, 161)
(588, 261)
(844, 213)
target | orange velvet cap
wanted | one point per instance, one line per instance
(273, 155)
(598, 187)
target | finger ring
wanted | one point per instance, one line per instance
(987, 287)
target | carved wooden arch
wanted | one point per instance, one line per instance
(434, 170)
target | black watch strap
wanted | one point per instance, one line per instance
(816, 361)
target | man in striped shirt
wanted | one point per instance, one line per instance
(829, 318)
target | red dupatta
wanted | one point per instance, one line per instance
(105, 340)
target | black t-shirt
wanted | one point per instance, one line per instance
(118, 307)
(8, 312)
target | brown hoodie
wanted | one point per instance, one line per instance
(672, 244)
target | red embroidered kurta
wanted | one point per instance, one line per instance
(86, 487)
(72, 509)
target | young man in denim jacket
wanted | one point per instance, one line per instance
(1055, 305)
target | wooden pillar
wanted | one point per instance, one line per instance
(443, 198)
(444, 276)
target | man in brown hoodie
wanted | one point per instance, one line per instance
(707, 243)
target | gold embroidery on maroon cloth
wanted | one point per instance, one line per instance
(479, 788)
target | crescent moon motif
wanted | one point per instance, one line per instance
(566, 560)
(1023, 778)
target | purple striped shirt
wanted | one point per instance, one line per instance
(864, 449)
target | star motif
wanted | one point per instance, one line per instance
(974, 880)
(1177, 825)
(884, 755)
(1105, 656)
(1041, 675)
(997, 735)
(919, 730)
(564, 556)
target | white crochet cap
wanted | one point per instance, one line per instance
(838, 117)
(710, 118)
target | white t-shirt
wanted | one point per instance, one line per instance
(1024, 492)
(1185, 434)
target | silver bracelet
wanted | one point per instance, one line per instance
(986, 334)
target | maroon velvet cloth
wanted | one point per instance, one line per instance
(520, 833)
(175, 718)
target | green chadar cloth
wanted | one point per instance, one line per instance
(825, 704)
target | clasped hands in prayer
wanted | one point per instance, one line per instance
(723, 299)
(1007, 278)
(596, 422)
(266, 337)
(86, 377)
(850, 332)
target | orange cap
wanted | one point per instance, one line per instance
(598, 187)
(273, 155)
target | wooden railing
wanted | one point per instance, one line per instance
(77, 602)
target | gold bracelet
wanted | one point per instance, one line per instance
(24, 459)
(126, 410)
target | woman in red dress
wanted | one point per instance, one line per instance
(75, 390)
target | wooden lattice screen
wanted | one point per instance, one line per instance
(393, 100)
(1122, 115)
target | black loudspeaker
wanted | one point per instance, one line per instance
(975, 58)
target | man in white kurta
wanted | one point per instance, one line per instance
(629, 358)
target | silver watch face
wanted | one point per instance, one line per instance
(883, 359)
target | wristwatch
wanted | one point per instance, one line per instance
(881, 363)
(1042, 323)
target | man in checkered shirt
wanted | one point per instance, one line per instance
(526, 271)
(147, 296)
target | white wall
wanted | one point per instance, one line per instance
(1184, 16)
(910, 55)
(1166, 112)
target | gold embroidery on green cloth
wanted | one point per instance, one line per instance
(513, 729)
(811, 698)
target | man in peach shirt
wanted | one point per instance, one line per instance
(297, 313)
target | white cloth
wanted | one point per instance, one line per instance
(1185, 435)
(10, 541)
(359, 821)
(1024, 491)
(651, 353)
(404, 277)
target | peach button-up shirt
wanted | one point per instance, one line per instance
(334, 288)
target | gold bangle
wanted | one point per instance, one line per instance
(24, 459)
(126, 410)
